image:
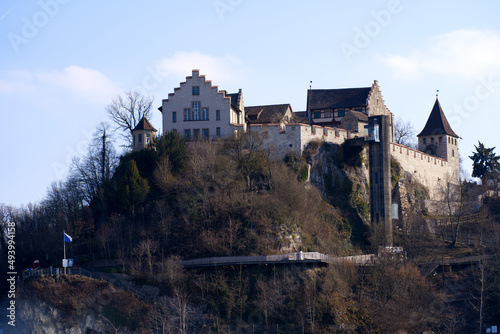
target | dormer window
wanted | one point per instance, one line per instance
(196, 90)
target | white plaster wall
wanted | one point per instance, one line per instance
(209, 97)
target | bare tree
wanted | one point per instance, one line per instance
(93, 170)
(455, 203)
(404, 133)
(127, 111)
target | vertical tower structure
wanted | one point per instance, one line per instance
(142, 134)
(438, 139)
(380, 178)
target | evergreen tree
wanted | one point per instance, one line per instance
(132, 188)
(484, 161)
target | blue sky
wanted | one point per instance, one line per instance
(63, 61)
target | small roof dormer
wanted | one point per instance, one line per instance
(437, 124)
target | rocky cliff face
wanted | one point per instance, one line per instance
(341, 173)
(40, 318)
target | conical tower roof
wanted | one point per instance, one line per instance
(437, 124)
(144, 125)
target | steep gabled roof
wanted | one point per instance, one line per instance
(267, 114)
(337, 98)
(359, 115)
(235, 98)
(144, 125)
(437, 124)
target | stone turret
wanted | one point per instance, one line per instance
(438, 138)
(142, 134)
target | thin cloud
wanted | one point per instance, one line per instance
(88, 83)
(227, 69)
(465, 53)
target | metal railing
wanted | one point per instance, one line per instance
(304, 257)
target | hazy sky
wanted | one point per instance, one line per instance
(62, 62)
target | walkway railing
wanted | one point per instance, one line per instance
(302, 257)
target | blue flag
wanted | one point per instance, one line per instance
(67, 238)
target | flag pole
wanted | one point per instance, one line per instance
(64, 241)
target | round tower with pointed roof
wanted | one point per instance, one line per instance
(142, 134)
(438, 138)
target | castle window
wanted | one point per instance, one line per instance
(328, 114)
(196, 111)
(455, 142)
(424, 141)
(196, 134)
(187, 112)
(317, 114)
(139, 138)
(174, 117)
(204, 114)
(448, 140)
(440, 140)
(174, 130)
(133, 140)
(452, 153)
(217, 132)
(187, 134)
(205, 133)
(432, 140)
(196, 90)
(148, 138)
(341, 112)
(217, 115)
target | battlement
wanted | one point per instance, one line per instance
(430, 171)
(294, 137)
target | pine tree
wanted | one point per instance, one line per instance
(484, 161)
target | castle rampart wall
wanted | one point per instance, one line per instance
(295, 137)
(430, 171)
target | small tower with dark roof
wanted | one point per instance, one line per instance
(142, 134)
(438, 138)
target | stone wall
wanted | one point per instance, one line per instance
(430, 171)
(295, 137)
(376, 105)
(209, 97)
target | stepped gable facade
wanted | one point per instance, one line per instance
(198, 110)
(327, 107)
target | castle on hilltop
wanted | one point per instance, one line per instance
(198, 110)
